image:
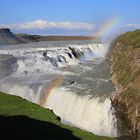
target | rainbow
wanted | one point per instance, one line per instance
(108, 26)
(47, 89)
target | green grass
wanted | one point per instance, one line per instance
(132, 38)
(20, 119)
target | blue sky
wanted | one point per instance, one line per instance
(56, 16)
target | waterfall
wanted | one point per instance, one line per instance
(32, 77)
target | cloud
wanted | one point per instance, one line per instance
(43, 25)
(133, 26)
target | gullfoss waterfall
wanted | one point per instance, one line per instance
(70, 78)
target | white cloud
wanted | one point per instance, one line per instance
(134, 26)
(43, 24)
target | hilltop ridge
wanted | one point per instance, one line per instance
(37, 38)
(7, 37)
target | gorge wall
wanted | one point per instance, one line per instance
(125, 71)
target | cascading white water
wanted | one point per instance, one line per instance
(87, 113)
(83, 111)
(31, 61)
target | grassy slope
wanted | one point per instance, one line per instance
(22, 119)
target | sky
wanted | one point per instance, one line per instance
(68, 17)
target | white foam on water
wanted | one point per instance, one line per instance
(31, 60)
(24, 91)
(84, 112)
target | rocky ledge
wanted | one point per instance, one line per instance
(125, 71)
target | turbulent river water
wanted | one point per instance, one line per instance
(71, 78)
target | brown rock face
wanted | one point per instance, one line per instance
(125, 71)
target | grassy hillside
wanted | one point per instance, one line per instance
(125, 72)
(20, 119)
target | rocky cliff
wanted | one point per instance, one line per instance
(7, 37)
(125, 71)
